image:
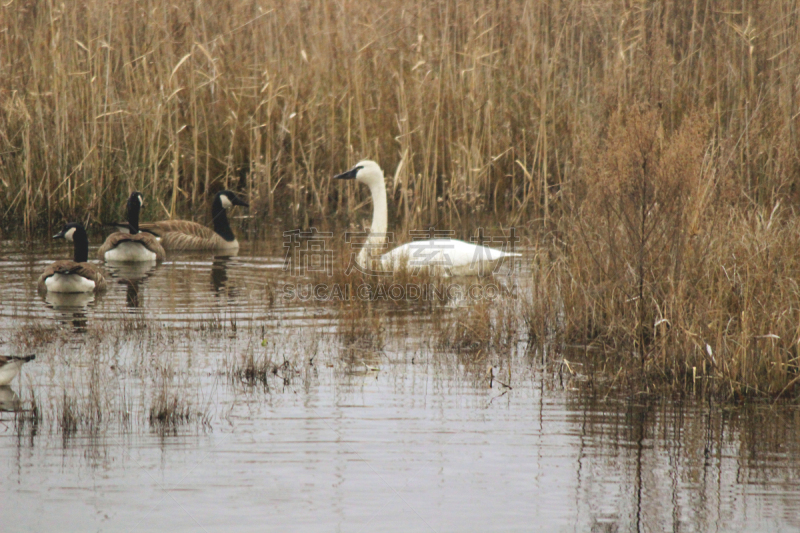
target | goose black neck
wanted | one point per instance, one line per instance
(221, 225)
(133, 214)
(80, 245)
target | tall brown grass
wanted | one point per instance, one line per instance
(662, 260)
(469, 106)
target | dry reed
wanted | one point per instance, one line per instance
(663, 262)
(470, 106)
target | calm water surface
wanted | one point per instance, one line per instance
(365, 422)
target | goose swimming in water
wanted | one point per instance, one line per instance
(72, 276)
(445, 257)
(10, 365)
(129, 244)
(132, 212)
(184, 235)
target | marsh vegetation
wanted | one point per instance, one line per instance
(646, 152)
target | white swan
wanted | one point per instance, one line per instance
(444, 257)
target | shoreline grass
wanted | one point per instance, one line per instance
(671, 274)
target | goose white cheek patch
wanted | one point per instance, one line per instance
(226, 203)
(68, 235)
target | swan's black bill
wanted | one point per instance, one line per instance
(349, 175)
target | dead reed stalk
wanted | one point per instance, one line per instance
(471, 107)
(665, 262)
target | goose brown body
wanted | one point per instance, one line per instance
(185, 235)
(128, 244)
(71, 268)
(148, 240)
(73, 276)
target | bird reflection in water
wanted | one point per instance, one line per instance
(132, 289)
(219, 275)
(131, 276)
(70, 308)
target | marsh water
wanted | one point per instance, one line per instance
(350, 417)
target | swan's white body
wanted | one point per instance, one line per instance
(442, 257)
(439, 257)
(69, 283)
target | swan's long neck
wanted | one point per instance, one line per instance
(377, 232)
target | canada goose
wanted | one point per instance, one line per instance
(445, 257)
(182, 235)
(131, 245)
(10, 365)
(9, 400)
(125, 227)
(73, 276)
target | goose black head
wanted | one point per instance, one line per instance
(229, 199)
(136, 199)
(71, 231)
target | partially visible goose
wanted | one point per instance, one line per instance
(131, 245)
(125, 227)
(444, 257)
(73, 276)
(9, 400)
(183, 235)
(10, 365)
